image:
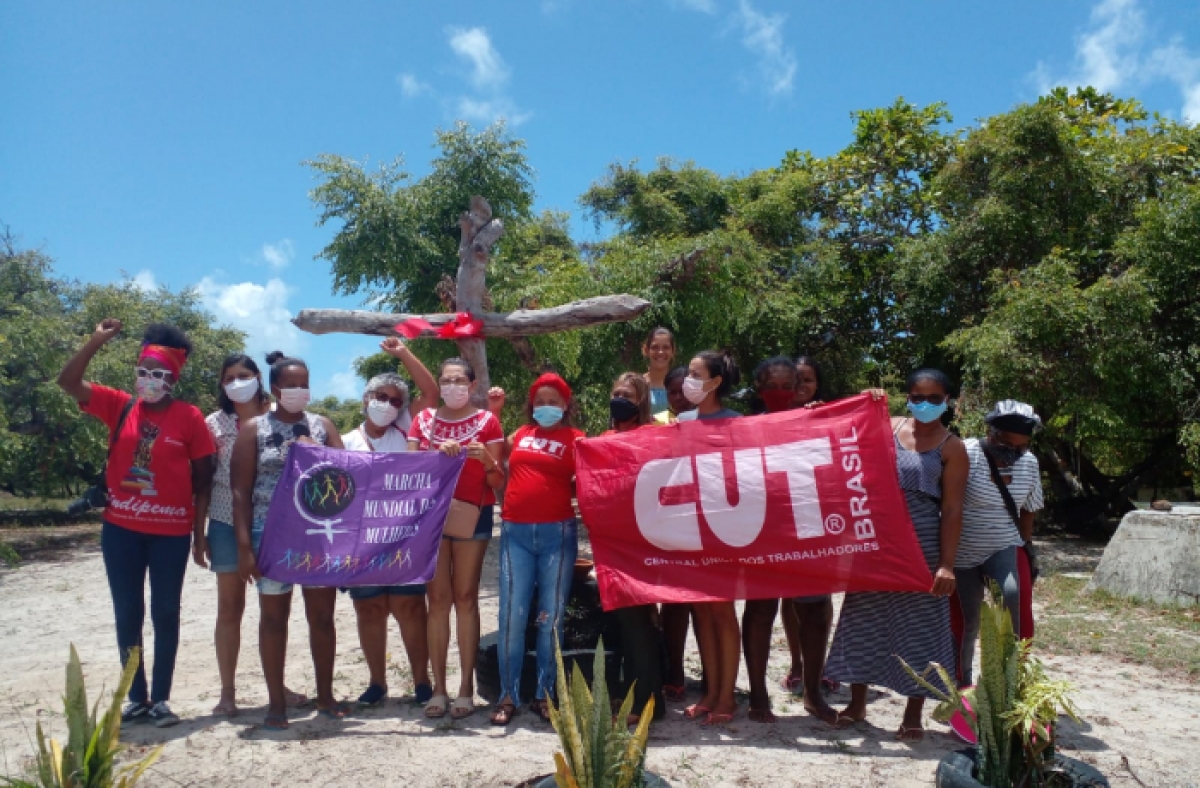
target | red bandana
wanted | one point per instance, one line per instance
(172, 357)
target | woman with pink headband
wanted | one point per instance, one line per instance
(160, 469)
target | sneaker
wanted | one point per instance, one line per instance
(135, 712)
(374, 696)
(162, 716)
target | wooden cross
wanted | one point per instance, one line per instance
(480, 231)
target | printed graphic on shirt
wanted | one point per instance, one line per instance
(437, 431)
(140, 479)
(542, 446)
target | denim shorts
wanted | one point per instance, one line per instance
(483, 526)
(370, 592)
(222, 545)
(266, 586)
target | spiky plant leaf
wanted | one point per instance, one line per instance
(581, 702)
(75, 706)
(602, 721)
(562, 773)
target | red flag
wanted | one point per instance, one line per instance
(461, 326)
(789, 504)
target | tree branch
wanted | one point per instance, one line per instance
(501, 325)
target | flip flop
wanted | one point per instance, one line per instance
(436, 707)
(338, 711)
(275, 722)
(296, 700)
(906, 734)
(696, 711)
(718, 719)
(794, 684)
(540, 708)
(961, 725)
(462, 707)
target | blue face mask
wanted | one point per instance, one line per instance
(547, 415)
(926, 412)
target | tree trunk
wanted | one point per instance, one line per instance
(479, 232)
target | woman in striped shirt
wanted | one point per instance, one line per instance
(990, 536)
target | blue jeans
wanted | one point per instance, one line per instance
(128, 556)
(541, 554)
(972, 585)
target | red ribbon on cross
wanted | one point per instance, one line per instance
(462, 326)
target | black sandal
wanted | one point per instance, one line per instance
(503, 713)
(541, 708)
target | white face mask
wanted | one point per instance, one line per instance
(294, 400)
(693, 390)
(242, 390)
(455, 396)
(381, 413)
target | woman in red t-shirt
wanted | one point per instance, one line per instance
(159, 473)
(454, 427)
(538, 539)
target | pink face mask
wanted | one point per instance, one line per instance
(294, 400)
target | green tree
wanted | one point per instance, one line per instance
(46, 446)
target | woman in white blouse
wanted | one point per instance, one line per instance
(388, 408)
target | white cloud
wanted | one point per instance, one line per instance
(491, 110)
(703, 6)
(488, 75)
(259, 310)
(762, 35)
(1116, 52)
(278, 255)
(345, 385)
(475, 47)
(144, 280)
(410, 86)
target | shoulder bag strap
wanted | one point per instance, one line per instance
(1009, 503)
(116, 433)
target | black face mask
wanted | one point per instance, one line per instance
(1003, 455)
(622, 410)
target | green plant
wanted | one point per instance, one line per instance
(1015, 703)
(89, 758)
(598, 749)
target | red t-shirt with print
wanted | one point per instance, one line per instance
(430, 431)
(540, 469)
(149, 474)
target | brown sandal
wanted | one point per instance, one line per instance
(503, 713)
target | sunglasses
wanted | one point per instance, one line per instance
(932, 399)
(1001, 444)
(158, 374)
(396, 402)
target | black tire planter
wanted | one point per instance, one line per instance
(957, 770)
(651, 780)
(584, 623)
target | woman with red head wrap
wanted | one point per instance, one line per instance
(538, 539)
(160, 469)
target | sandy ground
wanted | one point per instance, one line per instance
(1141, 727)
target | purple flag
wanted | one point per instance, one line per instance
(343, 518)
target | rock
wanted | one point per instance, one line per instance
(1154, 556)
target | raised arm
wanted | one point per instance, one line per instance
(71, 379)
(421, 377)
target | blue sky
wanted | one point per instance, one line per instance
(164, 141)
